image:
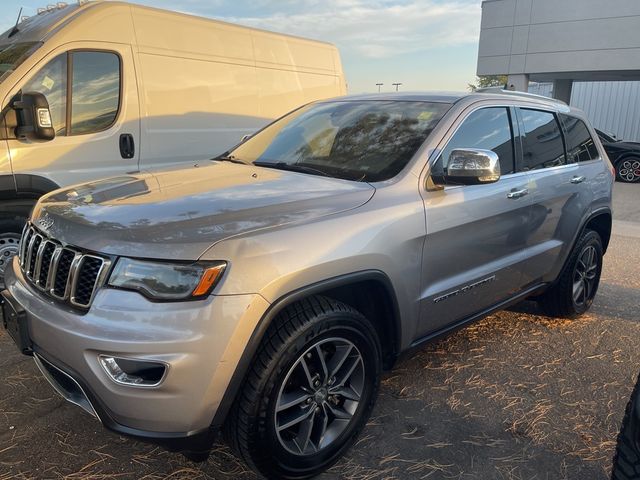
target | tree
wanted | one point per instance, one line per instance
(484, 81)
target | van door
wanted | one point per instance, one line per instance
(559, 190)
(93, 97)
(475, 233)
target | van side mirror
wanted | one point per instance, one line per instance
(472, 166)
(34, 117)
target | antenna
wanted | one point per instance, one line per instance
(15, 30)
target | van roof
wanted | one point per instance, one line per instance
(35, 28)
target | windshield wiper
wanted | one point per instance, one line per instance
(230, 158)
(292, 167)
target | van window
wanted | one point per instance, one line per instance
(487, 129)
(95, 91)
(542, 145)
(580, 145)
(51, 81)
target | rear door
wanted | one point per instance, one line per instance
(92, 93)
(475, 233)
(560, 188)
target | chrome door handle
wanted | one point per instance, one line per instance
(578, 179)
(517, 193)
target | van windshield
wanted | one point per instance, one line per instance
(13, 55)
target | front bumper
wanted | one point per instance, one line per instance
(201, 342)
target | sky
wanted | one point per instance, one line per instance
(424, 44)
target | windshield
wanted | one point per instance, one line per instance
(13, 55)
(367, 141)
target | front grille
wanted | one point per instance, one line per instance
(62, 272)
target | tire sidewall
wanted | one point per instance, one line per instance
(267, 453)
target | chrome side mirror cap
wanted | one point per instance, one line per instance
(472, 166)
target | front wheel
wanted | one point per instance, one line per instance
(628, 170)
(575, 289)
(310, 390)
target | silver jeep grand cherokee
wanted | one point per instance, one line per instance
(267, 289)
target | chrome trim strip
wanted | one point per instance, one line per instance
(38, 266)
(27, 266)
(133, 359)
(53, 269)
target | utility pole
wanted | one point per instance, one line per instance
(379, 85)
(396, 85)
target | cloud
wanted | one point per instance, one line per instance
(374, 29)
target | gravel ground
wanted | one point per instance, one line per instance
(514, 396)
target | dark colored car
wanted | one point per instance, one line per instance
(625, 156)
(626, 463)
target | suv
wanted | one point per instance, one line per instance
(268, 290)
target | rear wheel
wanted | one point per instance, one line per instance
(628, 170)
(310, 390)
(574, 291)
(626, 462)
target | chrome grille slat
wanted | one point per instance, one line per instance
(62, 272)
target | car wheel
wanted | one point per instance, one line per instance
(10, 232)
(626, 461)
(628, 170)
(310, 390)
(575, 289)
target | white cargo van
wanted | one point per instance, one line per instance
(103, 88)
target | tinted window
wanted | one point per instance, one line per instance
(488, 129)
(356, 140)
(580, 145)
(542, 145)
(95, 91)
(51, 81)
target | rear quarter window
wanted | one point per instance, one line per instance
(542, 145)
(580, 144)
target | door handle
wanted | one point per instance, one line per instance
(517, 193)
(127, 146)
(577, 179)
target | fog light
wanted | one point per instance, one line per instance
(139, 373)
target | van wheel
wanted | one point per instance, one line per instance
(573, 293)
(626, 461)
(10, 231)
(310, 390)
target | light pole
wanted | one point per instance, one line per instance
(379, 85)
(396, 85)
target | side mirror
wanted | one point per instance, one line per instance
(34, 117)
(472, 166)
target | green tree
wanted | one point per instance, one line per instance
(484, 81)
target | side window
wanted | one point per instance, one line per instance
(580, 145)
(51, 81)
(488, 129)
(542, 145)
(95, 91)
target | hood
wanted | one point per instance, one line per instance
(179, 214)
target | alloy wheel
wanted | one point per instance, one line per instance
(629, 170)
(319, 396)
(585, 275)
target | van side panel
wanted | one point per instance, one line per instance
(205, 84)
(199, 84)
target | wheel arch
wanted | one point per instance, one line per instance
(369, 290)
(20, 193)
(600, 221)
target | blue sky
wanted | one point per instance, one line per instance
(425, 44)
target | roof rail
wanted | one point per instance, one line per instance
(502, 91)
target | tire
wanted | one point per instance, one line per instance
(287, 366)
(628, 170)
(626, 461)
(11, 225)
(560, 300)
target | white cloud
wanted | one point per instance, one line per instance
(377, 29)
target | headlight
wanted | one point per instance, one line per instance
(166, 281)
